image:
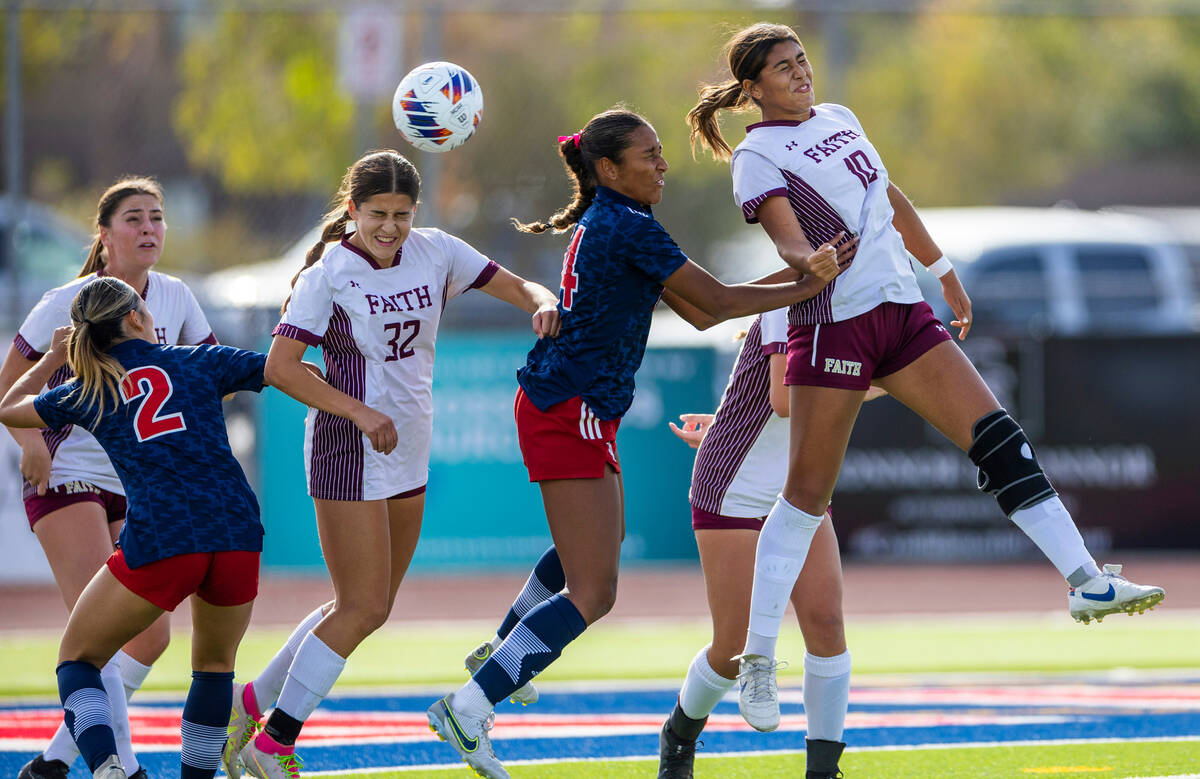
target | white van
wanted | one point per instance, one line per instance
(1037, 271)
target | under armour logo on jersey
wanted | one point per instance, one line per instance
(940, 327)
(354, 283)
(790, 145)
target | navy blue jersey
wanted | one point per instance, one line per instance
(166, 438)
(613, 272)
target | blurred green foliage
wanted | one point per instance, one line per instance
(967, 107)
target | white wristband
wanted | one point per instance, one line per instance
(940, 267)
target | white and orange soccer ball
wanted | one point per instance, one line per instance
(437, 106)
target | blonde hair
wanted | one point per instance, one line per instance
(98, 314)
(746, 54)
(109, 201)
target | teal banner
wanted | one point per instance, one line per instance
(481, 511)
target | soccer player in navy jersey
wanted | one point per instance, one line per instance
(806, 172)
(575, 388)
(193, 522)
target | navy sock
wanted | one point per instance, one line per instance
(86, 711)
(548, 578)
(536, 642)
(205, 719)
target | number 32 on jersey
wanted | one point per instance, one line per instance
(152, 383)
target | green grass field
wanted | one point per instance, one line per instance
(430, 655)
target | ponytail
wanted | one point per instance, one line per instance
(703, 116)
(605, 135)
(582, 182)
(98, 313)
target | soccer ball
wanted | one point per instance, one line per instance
(437, 106)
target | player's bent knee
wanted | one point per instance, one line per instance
(1008, 468)
(824, 630)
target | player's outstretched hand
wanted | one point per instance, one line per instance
(378, 428)
(960, 304)
(546, 322)
(823, 263)
(694, 428)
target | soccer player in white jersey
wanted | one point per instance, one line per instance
(74, 501)
(372, 299)
(806, 172)
(740, 468)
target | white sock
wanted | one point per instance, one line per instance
(826, 695)
(471, 708)
(496, 642)
(110, 677)
(62, 746)
(703, 688)
(133, 672)
(1049, 525)
(310, 678)
(268, 684)
(782, 548)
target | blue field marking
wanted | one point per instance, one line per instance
(361, 731)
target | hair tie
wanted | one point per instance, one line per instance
(574, 137)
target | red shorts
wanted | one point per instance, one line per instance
(565, 442)
(219, 578)
(38, 506)
(848, 354)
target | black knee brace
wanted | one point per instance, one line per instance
(1008, 468)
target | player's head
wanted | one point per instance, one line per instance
(747, 54)
(609, 151)
(104, 312)
(384, 172)
(129, 226)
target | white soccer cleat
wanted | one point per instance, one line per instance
(524, 695)
(758, 697)
(110, 769)
(242, 728)
(1110, 593)
(476, 752)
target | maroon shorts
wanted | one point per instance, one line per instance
(848, 354)
(566, 441)
(219, 578)
(706, 520)
(70, 493)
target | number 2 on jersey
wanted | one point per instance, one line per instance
(153, 383)
(570, 279)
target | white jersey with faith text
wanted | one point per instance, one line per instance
(178, 320)
(835, 182)
(377, 328)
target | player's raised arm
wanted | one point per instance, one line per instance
(16, 409)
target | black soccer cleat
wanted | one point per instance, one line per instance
(41, 768)
(675, 755)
